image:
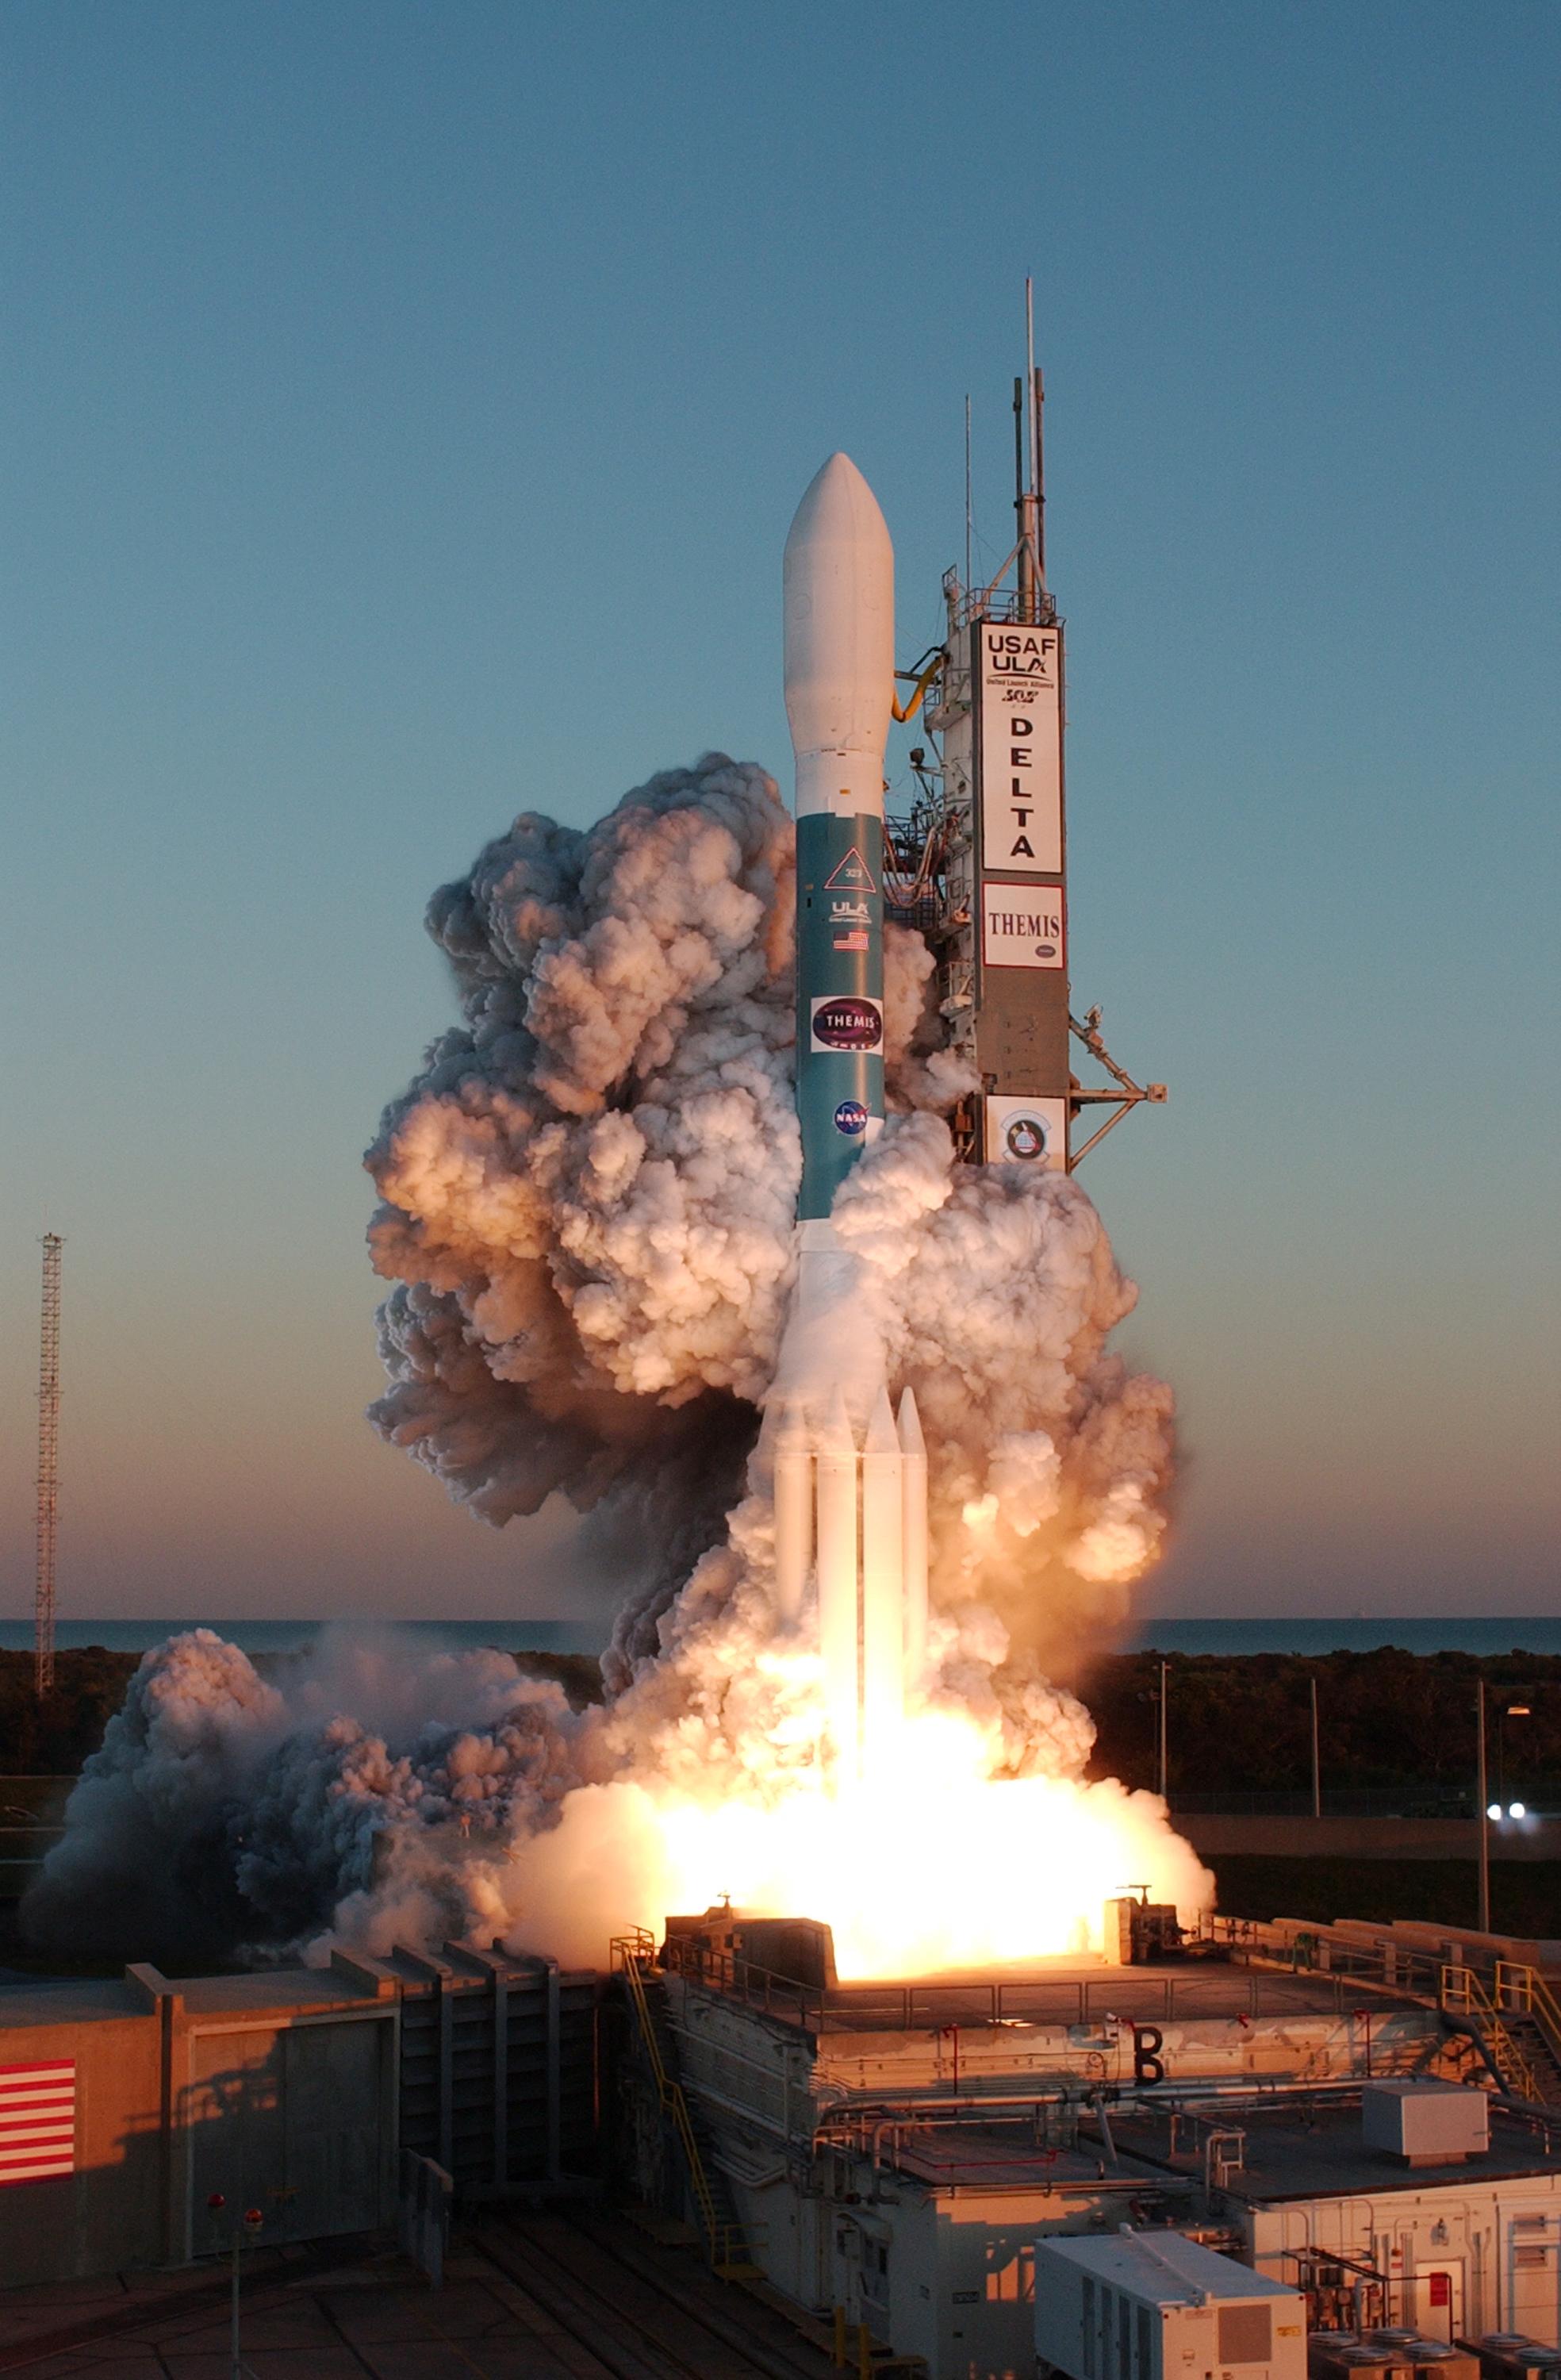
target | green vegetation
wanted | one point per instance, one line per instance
(54, 1737)
(1242, 1723)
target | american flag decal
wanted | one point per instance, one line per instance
(37, 2120)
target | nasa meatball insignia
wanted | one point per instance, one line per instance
(851, 1117)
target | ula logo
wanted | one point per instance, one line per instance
(851, 1117)
(847, 1023)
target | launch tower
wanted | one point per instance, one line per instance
(979, 866)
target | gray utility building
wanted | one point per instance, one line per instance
(292, 2090)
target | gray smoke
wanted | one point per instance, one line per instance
(227, 1810)
(587, 1194)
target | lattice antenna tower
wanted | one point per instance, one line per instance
(48, 1467)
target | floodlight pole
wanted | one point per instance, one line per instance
(1316, 1759)
(1484, 1817)
(1165, 1670)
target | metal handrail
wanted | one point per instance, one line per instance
(1525, 1992)
(631, 1955)
(1464, 1993)
(1124, 1997)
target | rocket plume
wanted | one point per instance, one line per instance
(588, 1195)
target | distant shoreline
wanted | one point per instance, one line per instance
(1479, 1634)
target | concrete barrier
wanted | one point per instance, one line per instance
(1215, 1833)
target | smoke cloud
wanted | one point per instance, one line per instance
(587, 1198)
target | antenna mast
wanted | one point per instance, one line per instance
(970, 510)
(1027, 469)
(48, 1465)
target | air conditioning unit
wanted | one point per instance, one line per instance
(1420, 2354)
(1344, 2355)
(1425, 2123)
(1140, 2305)
(1512, 2355)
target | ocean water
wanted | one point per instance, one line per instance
(1481, 1633)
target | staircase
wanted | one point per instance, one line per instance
(1543, 2066)
(1533, 2017)
(726, 2240)
(1515, 2022)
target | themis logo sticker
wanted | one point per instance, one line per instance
(843, 1022)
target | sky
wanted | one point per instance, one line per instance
(403, 408)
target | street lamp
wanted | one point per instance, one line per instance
(1485, 1813)
(1512, 1710)
(1490, 1809)
(1165, 1671)
(249, 2221)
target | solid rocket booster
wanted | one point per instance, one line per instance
(859, 1517)
(840, 684)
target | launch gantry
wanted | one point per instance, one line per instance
(977, 864)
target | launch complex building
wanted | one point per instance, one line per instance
(1361, 2126)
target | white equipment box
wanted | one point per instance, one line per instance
(1141, 2305)
(1425, 2123)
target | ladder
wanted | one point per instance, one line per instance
(726, 2245)
(1465, 1995)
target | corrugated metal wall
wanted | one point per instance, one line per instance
(499, 2069)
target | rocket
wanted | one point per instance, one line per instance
(840, 684)
(852, 1517)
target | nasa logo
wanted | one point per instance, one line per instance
(1026, 1138)
(846, 1023)
(851, 1117)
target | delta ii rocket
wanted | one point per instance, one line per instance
(978, 868)
(838, 599)
(856, 1517)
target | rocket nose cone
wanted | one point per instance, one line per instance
(838, 506)
(838, 608)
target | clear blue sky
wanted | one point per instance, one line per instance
(360, 359)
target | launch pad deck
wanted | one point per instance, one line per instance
(1089, 1994)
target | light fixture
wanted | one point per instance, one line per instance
(1493, 1810)
(1517, 1809)
(1518, 1710)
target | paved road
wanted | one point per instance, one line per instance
(524, 2299)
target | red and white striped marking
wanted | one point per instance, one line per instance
(37, 2120)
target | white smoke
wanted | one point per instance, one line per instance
(587, 1212)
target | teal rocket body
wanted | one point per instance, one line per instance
(840, 999)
